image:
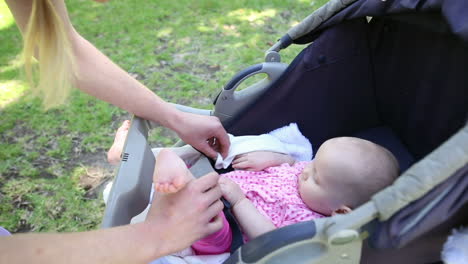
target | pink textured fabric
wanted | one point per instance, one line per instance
(216, 243)
(274, 192)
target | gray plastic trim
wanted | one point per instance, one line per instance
(299, 249)
(279, 238)
(318, 17)
(131, 188)
(423, 176)
(192, 110)
(414, 221)
(230, 102)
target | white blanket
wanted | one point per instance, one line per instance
(455, 249)
(187, 256)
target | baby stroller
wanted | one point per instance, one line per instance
(393, 72)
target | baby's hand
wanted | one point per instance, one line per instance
(259, 160)
(231, 191)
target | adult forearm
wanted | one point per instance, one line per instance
(127, 244)
(252, 222)
(98, 76)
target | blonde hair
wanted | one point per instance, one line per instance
(47, 38)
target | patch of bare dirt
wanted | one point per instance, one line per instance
(23, 227)
(20, 202)
(96, 174)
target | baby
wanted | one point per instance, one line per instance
(344, 174)
(270, 190)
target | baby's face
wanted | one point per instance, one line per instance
(322, 185)
(316, 190)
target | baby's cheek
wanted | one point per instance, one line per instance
(314, 199)
(318, 204)
(304, 174)
(306, 194)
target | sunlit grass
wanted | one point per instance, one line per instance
(256, 17)
(12, 87)
(6, 18)
(11, 91)
(164, 32)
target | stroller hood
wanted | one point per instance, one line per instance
(441, 15)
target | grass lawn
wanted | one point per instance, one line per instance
(52, 164)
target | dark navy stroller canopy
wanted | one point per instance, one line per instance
(443, 16)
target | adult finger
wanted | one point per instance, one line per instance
(215, 225)
(206, 182)
(208, 150)
(223, 141)
(213, 210)
(213, 194)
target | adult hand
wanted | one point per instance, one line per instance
(205, 133)
(179, 219)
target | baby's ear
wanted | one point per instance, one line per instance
(342, 210)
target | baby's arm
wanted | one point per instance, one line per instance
(252, 222)
(259, 160)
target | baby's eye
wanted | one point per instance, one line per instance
(314, 174)
(315, 180)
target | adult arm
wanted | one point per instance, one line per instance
(98, 76)
(251, 221)
(130, 245)
(174, 222)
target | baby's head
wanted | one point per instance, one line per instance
(345, 173)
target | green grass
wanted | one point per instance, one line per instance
(184, 50)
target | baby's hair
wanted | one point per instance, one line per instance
(366, 169)
(47, 38)
(380, 170)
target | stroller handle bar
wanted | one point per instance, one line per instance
(243, 74)
(230, 102)
(193, 110)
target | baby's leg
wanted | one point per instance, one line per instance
(175, 176)
(113, 155)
